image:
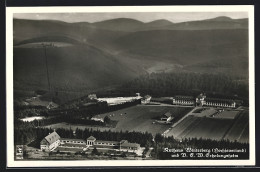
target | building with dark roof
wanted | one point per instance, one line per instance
(68, 143)
(202, 100)
(166, 117)
(123, 145)
(92, 96)
(146, 99)
(91, 140)
(53, 141)
(50, 142)
(183, 100)
(126, 146)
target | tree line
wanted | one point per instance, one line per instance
(80, 115)
(187, 83)
(28, 135)
(33, 136)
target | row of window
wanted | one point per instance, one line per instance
(134, 148)
(183, 101)
(217, 104)
(72, 146)
(100, 143)
(69, 141)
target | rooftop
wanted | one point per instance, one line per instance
(184, 97)
(91, 138)
(127, 144)
(168, 114)
(219, 100)
(103, 141)
(73, 139)
(73, 145)
(53, 137)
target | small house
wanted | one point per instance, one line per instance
(166, 117)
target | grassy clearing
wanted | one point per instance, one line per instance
(141, 118)
(239, 129)
(216, 128)
(136, 118)
(209, 128)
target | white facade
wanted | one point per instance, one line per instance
(97, 119)
(118, 100)
(50, 147)
(182, 102)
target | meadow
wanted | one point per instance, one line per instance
(216, 128)
(136, 118)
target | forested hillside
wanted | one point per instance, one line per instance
(95, 57)
(163, 84)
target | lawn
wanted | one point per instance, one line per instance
(141, 118)
(239, 130)
(208, 128)
(216, 128)
(136, 118)
(227, 114)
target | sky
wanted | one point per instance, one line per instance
(144, 17)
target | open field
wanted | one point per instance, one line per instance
(204, 112)
(244, 137)
(239, 131)
(207, 127)
(227, 114)
(215, 113)
(136, 118)
(197, 127)
(233, 126)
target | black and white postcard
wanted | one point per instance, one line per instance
(130, 86)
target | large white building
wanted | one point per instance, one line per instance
(50, 142)
(53, 141)
(202, 100)
(183, 100)
(119, 100)
(123, 145)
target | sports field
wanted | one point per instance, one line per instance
(240, 129)
(233, 126)
(136, 118)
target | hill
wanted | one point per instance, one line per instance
(93, 56)
(73, 68)
(119, 24)
(82, 32)
(189, 47)
(210, 24)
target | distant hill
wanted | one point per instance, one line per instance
(186, 47)
(210, 24)
(119, 24)
(82, 32)
(158, 23)
(130, 25)
(112, 52)
(220, 19)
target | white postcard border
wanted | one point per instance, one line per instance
(76, 163)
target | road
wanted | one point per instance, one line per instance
(176, 123)
(162, 104)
